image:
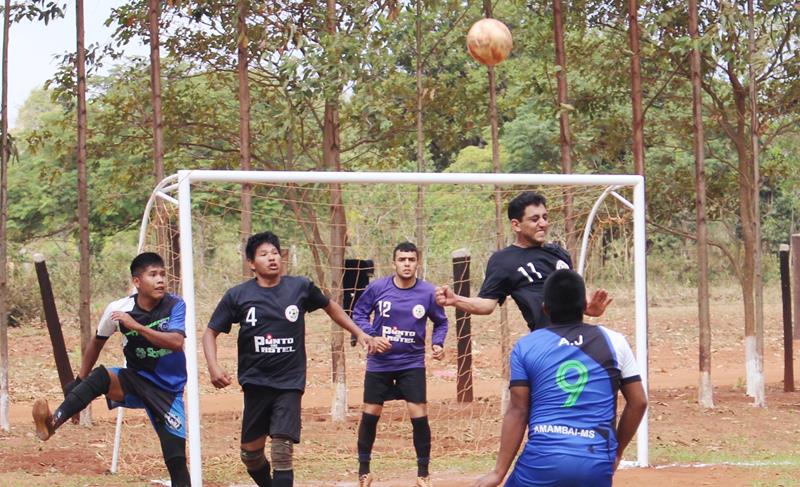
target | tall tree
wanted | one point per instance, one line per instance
(636, 87)
(758, 384)
(563, 117)
(421, 165)
(331, 154)
(84, 310)
(4, 423)
(153, 20)
(245, 224)
(706, 390)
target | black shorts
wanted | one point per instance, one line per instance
(270, 411)
(408, 384)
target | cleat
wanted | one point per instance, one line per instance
(424, 482)
(365, 480)
(43, 419)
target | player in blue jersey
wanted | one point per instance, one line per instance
(270, 309)
(564, 384)
(520, 269)
(152, 324)
(400, 305)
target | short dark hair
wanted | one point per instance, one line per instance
(145, 260)
(405, 247)
(565, 296)
(256, 240)
(516, 207)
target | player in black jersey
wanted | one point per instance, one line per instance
(152, 324)
(271, 312)
(520, 269)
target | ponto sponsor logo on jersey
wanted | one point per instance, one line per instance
(561, 265)
(270, 344)
(394, 334)
(292, 313)
(418, 311)
(173, 420)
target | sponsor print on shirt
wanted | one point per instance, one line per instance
(395, 334)
(270, 344)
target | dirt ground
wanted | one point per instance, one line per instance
(733, 444)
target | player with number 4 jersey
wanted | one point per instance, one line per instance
(564, 384)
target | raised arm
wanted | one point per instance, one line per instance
(473, 305)
(339, 316)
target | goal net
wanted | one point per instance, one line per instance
(339, 229)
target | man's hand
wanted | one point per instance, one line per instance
(598, 302)
(127, 320)
(219, 377)
(438, 352)
(373, 345)
(444, 296)
(382, 344)
(491, 479)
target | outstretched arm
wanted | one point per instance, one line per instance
(473, 305)
(515, 423)
(338, 315)
(170, 340)
(91, 355)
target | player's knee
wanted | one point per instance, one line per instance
(282, 452)
(253, 460)
(96, 384)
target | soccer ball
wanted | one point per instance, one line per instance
(489, 41)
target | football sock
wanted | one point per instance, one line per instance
(422, 444)
(366, 438)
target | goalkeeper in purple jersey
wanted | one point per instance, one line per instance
(400, 305)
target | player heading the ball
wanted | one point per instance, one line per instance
(520, 269)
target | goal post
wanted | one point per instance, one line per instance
(182, 183)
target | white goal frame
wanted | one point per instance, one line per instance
(182, 183)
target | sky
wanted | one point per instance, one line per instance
(34, 48)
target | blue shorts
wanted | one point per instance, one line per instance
(162, 406)
(560, 470)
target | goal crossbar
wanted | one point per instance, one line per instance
(182, 181)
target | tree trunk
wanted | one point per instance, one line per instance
(758, 383)
(421, 166)
(636, 88)
(747, 218)
(153, 18)
(331, 156)
(705, 389)
(84, 311)
(246, 215)
(563, 111)
(4, 406)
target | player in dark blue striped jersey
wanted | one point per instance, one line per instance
(564, 384)
(152, 324)
(520, 269)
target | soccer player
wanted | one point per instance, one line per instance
(520, 269)
(564, 383)
(400, 305)
(270, 310)
(152, 324)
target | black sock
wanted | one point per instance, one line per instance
(178, 472)
(96, 384)
(283, 478)
(422, 444)
(366, 438)
(261, 476)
